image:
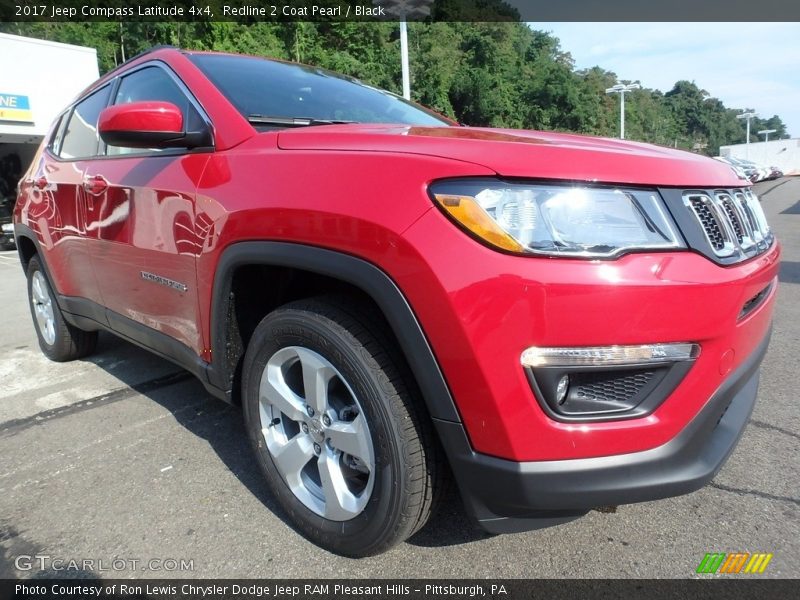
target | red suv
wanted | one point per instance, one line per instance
(563, 322)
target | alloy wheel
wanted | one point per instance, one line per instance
(316, 433)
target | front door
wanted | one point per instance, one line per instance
(142, 207)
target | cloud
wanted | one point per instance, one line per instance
(746, 65)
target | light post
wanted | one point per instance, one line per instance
(622, 89)
(404, 59)
(402, 9)
(748, 116)
(766, 132)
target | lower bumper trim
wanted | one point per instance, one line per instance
(505, 496)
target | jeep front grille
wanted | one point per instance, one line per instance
(732, 221)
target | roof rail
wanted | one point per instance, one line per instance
(151, 49)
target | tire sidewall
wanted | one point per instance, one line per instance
(379, 517)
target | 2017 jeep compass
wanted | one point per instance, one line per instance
(563, 322)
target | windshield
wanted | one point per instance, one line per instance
(261, 89)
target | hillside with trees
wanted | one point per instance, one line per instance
(501, 74)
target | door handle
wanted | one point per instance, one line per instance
(95, 185)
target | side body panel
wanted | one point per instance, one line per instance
(143, 241)
(52, 203)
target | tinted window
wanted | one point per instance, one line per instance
(257, 86)
(80, 138)
(151, 84)
(58, 134)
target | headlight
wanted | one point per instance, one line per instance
(561, 220)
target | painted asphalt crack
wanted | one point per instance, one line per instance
(14, 426)
(763, 425)
(743, 492)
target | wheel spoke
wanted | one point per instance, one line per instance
(292, 457)
(340, 503)
(352, 438)
(38, 290)
(316, 375)
(43, 307)
(275, 391)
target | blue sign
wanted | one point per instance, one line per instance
(14, 107)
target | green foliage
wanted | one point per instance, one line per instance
(498, 74)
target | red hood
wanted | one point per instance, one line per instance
(519, 153)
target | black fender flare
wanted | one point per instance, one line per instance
(367, 277)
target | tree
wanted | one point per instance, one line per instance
(498, 74)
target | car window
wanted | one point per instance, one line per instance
(80, 138)
(266, 88)
(151, 84)
(58, 133)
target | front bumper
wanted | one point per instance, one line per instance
(506, 496)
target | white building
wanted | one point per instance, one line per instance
(784, 154)
(37, 80)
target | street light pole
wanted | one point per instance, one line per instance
(622, 89)
(748, 116)
(766, 132)
(404, 59)
(403, 10)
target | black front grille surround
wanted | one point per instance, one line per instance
(726, 225)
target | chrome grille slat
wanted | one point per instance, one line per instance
(740, 203)
(732, 221)
(727, 204)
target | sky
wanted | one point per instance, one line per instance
(746, 65)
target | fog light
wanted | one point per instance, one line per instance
(561, 389)
(601, 383)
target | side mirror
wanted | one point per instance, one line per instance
(149, 125)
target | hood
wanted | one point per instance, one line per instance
(520, 153)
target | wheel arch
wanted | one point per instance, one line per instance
(27, 245)
(372, 281)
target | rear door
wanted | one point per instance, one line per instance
(56, 211)
(142, 208)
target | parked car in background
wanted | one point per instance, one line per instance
(10, 172)
(561, 322)
(6, 226)
(740, 172)
(755, 172)
(775, 173)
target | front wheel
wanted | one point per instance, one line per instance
(58, 340)
(337, 428)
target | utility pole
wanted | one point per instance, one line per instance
(766, 132)
(622, 89)
(749, 116)
(403, 9)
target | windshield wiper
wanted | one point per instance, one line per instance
(293, 121)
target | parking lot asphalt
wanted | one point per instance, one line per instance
(123, 456)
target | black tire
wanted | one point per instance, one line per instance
(407, 466)
(68, 342)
